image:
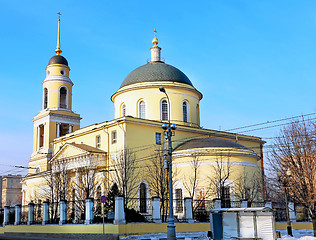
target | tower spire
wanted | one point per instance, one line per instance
(58, 50)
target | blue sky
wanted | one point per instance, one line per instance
(253, 61)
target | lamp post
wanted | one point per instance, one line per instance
(285, 185)
(171, 228)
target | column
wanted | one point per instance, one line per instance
(217, 203)
(62, 212)
(89, 211)
(45, 212)
(58, 129)
(17, 214)
(188, 210)
(156, 210)
(30, 219)
(244, 204)
(119, 215)
(292, 211)
(6, 215)
(70, 128)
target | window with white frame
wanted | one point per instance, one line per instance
(197, 114)
(98, 141)
(185, 111)
(63, 97)
(164, 110)
(158, 138)
(123, 110)
(114, 136)
(45, 98)
(142, 109)
(179, 201)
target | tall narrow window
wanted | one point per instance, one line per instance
(142, 198)
(185, 111)
(98, 203)
(45, 98)
(123, 110)
(98, 141)
(114, 136)
(41, 136)
(63, 97)
(225, 193)
(158, 138)
(142, 109)
(197, 114)
(164, 110)
(179, 204)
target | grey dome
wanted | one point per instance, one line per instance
(58, 59)
(209, 142)
(156, 71)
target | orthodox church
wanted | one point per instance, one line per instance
(129, 152)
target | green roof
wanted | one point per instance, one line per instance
(156, 71)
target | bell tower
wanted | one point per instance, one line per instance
(56, 117)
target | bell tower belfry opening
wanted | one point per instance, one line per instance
(56, 118)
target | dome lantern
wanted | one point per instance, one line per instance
(155, 50)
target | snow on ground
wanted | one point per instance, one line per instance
(303, 234)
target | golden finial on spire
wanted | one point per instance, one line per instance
(155, 40)
(58, 50)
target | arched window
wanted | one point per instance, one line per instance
(142, 198)
(45, 98)
(142, 109)
(164, 110)
(185, 111)
(123, 110)
(63, 97)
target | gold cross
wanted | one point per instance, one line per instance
(59, 15)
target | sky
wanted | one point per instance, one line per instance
(254, 61)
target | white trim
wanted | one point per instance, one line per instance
(167, 109)
(57, 119)
(56, 78)
(248, 164)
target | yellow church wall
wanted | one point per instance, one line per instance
(53, 93)
(152, 97)
(54, 70)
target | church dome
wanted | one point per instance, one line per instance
(156, 71)
(209, 143)
(58, 59)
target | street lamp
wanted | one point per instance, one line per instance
(171, 228)
(285, 185)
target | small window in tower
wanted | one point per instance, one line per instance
(63, 129)
(197, 114)
(164, 110)
(98, 141)
(41, 136)
(123, 111)
(142, 109)
(48, 72)
(62, 72)
(63, 97)
(45, 97)
(114, 137)
(158, 138)
(185, 111)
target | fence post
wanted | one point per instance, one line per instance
(6, 215)
(244, 204)
(156, 210)
(45, 212)
(119, 215)
(268, 204)
(188, 210)
(292, 212)
(89, 211)
(62, 212)
(217, 203)
(17, 219)
(30, 219)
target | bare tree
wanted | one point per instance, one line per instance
(124, 174)
(295, 150)
(157, 177)
(218, 180)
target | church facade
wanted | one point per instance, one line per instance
(128, 153)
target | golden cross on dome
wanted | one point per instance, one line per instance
(59, 15)
(58, 50)
(155, 40)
